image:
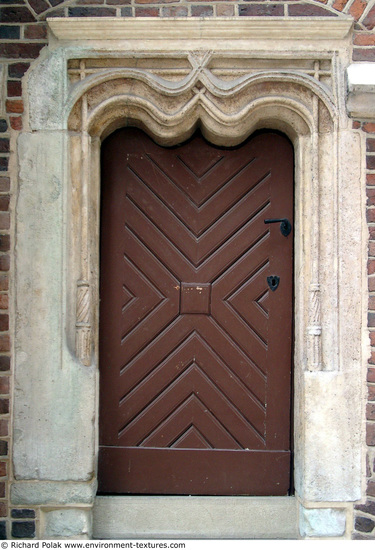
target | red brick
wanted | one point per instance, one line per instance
(4, 201)
(4, 423)
(35, 32)
(21, 50)
(118, 2)
(371, 489)
(372, 358)
(369, 127)
(4, 161)
(309, 10)
(153, 1)
(2, 489)
(356, 124)
(370, 410)
(4, 301)
(4, 262)
(369, 20)
(371, 393)
(4, 220)
(4, 184)
(3, 469)
(370, 191)
(371, 316)
(371, 303)
(4, 406)
(368, 507)
(92, 12)
(4, 342)
(17, 14)
(174, 11)
(340, 4)
(370, 215)
(371, 267)
(4, 322)
(372, 338)
(261, 10)
(4, 363)
(14, 88)
(39, 6)
(4, 385)
(360, 54)
(16, 122)
(4, 282)
(368, 465)
(4, 145)
(370, 162)
(147, 12)
(89, 2)
(357, 9)
(361, 39)
(4, 243)
(370, 434)
(17, 70)
(224, 10)
(202, 11)
(3, 510)
(370, 145)
(14, 106)
(371, 287)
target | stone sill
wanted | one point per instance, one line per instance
(193, 28)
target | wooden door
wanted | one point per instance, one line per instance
(195, 340)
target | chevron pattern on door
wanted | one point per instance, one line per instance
(195, 349)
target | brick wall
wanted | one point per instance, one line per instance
(23, 34)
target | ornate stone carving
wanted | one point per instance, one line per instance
(228, 96)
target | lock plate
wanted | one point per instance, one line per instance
(273, 282)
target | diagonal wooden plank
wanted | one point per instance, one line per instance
(195, 349)
(193, 380)
(191, 412)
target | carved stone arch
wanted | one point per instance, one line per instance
(227, 113)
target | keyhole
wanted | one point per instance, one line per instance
(273, 282)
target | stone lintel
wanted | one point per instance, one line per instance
(196, 28)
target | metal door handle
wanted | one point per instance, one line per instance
(285, 225)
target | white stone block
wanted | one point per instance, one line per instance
(67, 523)
(322, 522)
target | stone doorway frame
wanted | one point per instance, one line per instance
(245, 74)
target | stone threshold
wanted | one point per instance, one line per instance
(186, 517)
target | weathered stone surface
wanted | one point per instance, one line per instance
(46, 93)
(322, 522)
(52, 493)
(53, 436)
(68, 522)
(197, 517)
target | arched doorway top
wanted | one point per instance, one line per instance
(228, 105)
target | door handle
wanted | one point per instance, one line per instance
(285, 225)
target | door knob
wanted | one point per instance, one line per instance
(285, 225)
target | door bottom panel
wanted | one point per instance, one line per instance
(198, 472)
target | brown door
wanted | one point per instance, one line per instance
(195, 332)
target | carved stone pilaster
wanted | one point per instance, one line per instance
(83, 323)
(315, 329)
